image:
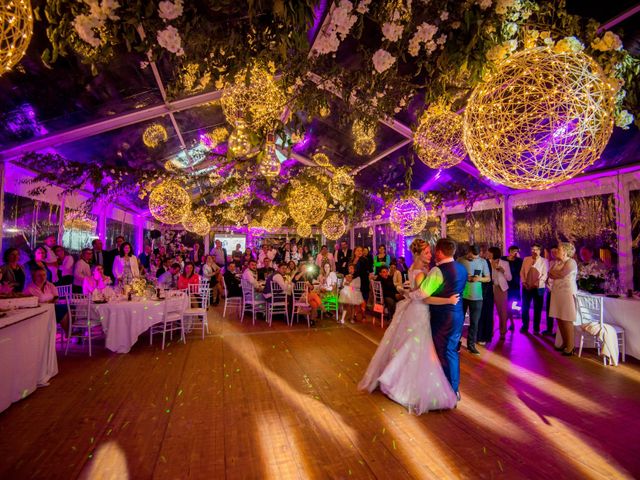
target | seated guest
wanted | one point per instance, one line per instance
(247, 257)
(265, 271)
(162, 265)
(13, 274)
(293, 267)
(211, 273)
(169, 279)
(278, 277)
(125, 265)
(236, 257)
(81, 270)
(250, 275)
(98, 281)
(188, 277)
(389, 290)
(232, 281)
(325, 257)
(65, 266)
(395, 274)
(328, 279)
(37, 261)
(47, 293)
(350, 295)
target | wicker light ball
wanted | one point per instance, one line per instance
(254, 98)
(16, 29)
(540, 119)
(321, 160)
(169, 203)
(438, 138)
(408, 216)
(273, 219)
(364, 146)
(303, 230)
(342, 185)
(333, 227)
(364, 134)
(196, 222)
(269, 165)
(154, 135)
(306, 204)
(239, 144)
(235, 213)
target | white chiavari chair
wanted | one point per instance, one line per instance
(81, 323)
(277, 303)
(175, 305)
(300, 302)
(198, 309)
(251, 302)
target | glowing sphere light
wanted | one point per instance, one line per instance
(169, 203)
(438, 138)
(16, 29)
(196, 222)
(154, 135)
(408, 216)
(303, 230)
(306, 204)
(333, 227)
(342, 185)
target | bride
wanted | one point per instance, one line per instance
(405, 365)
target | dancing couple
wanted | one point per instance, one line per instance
(416, 363)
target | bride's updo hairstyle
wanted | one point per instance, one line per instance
(417, 246)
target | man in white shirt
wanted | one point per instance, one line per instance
(169, 279)
(250, 275)
(533, 276)
(325, 256)
(81, 270)
(220, 254)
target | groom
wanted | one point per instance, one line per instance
(447, 278)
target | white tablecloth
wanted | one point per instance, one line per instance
(27, 352)
(123, 322)
(625, 312)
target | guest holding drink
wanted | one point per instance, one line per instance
(534, 277)
(501, 274)
(563, 307)
(513, 294)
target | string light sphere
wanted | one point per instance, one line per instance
(540, 119)
(364, 146)
(255, 98)
(321, 160)
(196, 222)
(16, 30)
(333, 227)
(363, 137)
(342, 185)
(303, 230)
(269, 165)
(169, 203)
(216, 136)
(408, 216)
(273, 219)
(234, 214)
(154, 135)
(239, 144)
(306, 204)
(438, 138)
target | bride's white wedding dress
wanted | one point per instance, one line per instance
(406, 366)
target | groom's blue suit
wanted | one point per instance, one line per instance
(447, 321)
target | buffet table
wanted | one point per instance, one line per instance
(27, 352)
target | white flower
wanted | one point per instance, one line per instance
(336, 28)
(170, 10)
(108, 8)
(484, 4)
(624, 119)
(382, 60)
(568, 44)
(510, 29)
(424, 33)
(610, 41)
(169, 38)
(363, 6)
(444, 16)
(86, 26)
(392, 31)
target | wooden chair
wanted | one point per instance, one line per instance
(81, 324)
(230, 302)
(277, 303)
(378, 302)
(173, 320)
(591, 310)
(250, 302)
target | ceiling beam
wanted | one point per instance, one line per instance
(382, 155)
(619, 18)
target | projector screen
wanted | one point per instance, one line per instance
(229, 241)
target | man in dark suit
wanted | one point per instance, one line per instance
(231, 280)
(389, 290)
(343, 257)
(97, 254)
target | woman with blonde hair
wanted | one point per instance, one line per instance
(406, 365)
(563, 305)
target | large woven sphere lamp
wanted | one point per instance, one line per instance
(196, 222)
(541, 118)
(408, 216)
(306, 204)
(169, 203)
(333, 227)
(438, 138)
(303, 230)
(16, 29)
(342, 185)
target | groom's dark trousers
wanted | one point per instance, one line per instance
(447, 321)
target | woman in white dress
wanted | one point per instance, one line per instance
(350, 295)
(405, 365)
(565, 287)
(125, 265)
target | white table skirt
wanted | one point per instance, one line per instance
(27, 352)
(625, 312)
(123, 322)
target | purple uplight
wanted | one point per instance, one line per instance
(22, 121)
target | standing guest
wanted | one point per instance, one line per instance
(125, 265)
(97, 254)
(563, 306)
(381, 259)
(169, 279)
(477, 274)
(552, 260)
(501, 275)
(361, 271)
(146, 257)
(161, 253)
(250, 275)
(533, 276)
(188, 277)
(220, 254)
(13, 274)
(81, 270)
(211, 273)
(389, 290)
(111, 256)
(343, 257)
(195, 256)
(50, 259)
(325, 257)
(513, 294)
(350, 295)
(37, 261)
(266, 269)
(485, 325)
(231, 280)
(369, 259)
(306, 255)
(295, 253)
(238, 249)
(328, 279)
(286, 253)
(65, 266)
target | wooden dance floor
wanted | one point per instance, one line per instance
(259, 403)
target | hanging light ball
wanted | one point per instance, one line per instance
(342, 185)
(321, 160)
(333, 227)
(196, 222)
(324, 111)
(540, 119)
(438, 138)
(306, 204)
(255, 98)
(16, 29)
(154, 135)
(273, 219)
(269, 165)
(169, 203)
(364, 146)
(239, 144)
(408, 216)
(234, 213)
(364, 135)
(303, 230)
